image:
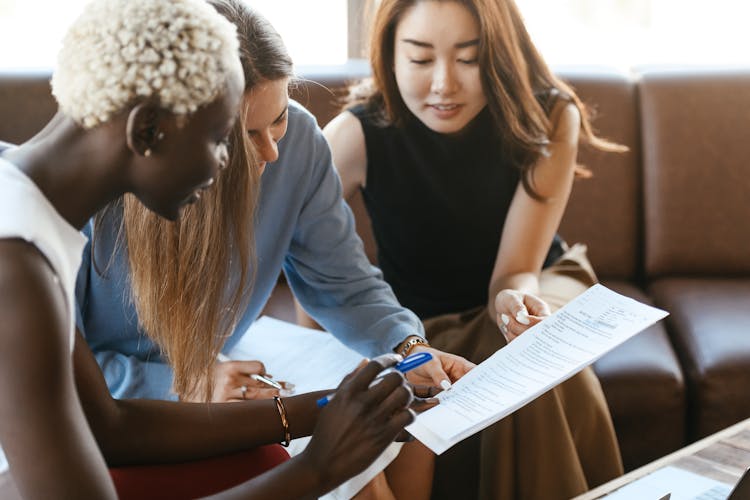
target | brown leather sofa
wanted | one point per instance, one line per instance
(665, 223)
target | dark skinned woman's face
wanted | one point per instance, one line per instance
(187, 159)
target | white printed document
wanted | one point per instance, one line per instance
(678, 483)
(545, 355)
(312, 360)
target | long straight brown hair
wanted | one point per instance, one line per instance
(191, 279)
(516, 80)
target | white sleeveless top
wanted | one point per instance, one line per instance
(26, 214)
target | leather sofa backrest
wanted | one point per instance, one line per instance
(26, 104)
(604, 211)
(322, 89)
(691, 173)
(696, 160)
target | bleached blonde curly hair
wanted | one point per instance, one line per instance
(180, 52)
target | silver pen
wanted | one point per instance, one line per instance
(260, 378)
(266, 380)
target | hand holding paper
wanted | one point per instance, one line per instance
(445, 369)
(545, 355)
(516, 312)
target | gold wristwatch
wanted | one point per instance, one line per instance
(408, 344)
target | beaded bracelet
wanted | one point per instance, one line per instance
(284, 422)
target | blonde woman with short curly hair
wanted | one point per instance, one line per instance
(148, 93)
(119, 52)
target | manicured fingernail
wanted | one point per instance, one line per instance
(505, 319)
(523, 317)
(445, 384)
(432, 401)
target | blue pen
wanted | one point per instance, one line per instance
(408, 363)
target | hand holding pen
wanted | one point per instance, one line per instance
(402, 366)
(239, 380)
(360, 422)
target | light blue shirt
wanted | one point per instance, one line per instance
(303, 226)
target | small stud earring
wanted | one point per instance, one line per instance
(147, 153)
(160, 136)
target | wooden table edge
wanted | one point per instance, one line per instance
(690, 449)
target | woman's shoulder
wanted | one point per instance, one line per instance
(371, 114)
(565, 118)
(300, 116)
(345, 128)
(551, 97)
(562, 112)
(303, 133)
(346, 135)
(360, 111)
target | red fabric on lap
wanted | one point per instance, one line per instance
(195, 479)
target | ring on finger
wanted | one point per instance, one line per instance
(243, 390)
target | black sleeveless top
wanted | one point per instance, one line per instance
(438, 204)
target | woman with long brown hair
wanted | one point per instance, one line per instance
(464, 146)
(159, 300)
(156, 323)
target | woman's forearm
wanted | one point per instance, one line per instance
(146, 431)
(141, 431)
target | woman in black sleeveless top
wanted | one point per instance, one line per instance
(464, 146)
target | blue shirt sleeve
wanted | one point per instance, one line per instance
(106, 317)
(328, 270)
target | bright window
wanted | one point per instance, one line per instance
(30, 30)
(635, 32)
(315, 31)
(605, 32)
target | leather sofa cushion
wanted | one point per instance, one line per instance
(644, 387)
(709, 324)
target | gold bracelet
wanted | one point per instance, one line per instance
(409, 344)
(284, 422)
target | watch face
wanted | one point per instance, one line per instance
(411, 343)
